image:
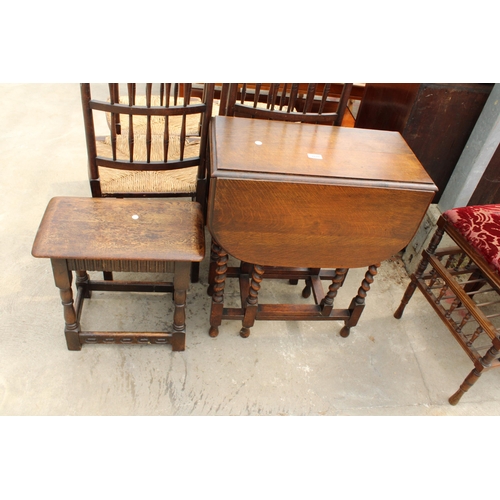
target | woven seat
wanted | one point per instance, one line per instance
(462, 283)
(167, 181)
(156, 146)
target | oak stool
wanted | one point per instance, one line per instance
(462, 284)
(121, 235)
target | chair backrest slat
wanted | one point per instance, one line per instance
(324, 98)
(114, 98)
(131, 102)
(300, 102)
(166, 135)
(311, 91)
(149, 88)
(159, 128)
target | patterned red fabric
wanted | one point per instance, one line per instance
(480, 225)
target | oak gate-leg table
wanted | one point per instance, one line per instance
(294, 201)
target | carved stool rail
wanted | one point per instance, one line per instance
(121, 235)
(463, 285)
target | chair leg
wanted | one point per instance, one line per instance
(195, 272)
(471, 379)
(306, 291)
(436, 239)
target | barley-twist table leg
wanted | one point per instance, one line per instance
(219, 279)
(337, 281)
(358, 303)
(252, 300)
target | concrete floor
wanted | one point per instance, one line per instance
(385, 367)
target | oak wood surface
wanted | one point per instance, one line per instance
(273, 205)
(353, 154)
(121, 229)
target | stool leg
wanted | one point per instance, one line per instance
(82, 281)
(63, 278)
(436, 239)
(466, 385)
(471, 379)
(181, 284)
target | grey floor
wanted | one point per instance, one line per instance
(386, 367)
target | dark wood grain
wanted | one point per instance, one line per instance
(357, 202)
(436, 119)
(120, 235)
(74, 228)
(273, 205)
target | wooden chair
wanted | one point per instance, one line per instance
(156, 145)
(316, 103)
(462, 284)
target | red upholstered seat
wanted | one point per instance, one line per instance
(480, 226)
(462, 283)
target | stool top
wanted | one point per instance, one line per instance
(121, 229)
(480, 226)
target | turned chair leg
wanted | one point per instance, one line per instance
(436, 239)
(471, 379)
